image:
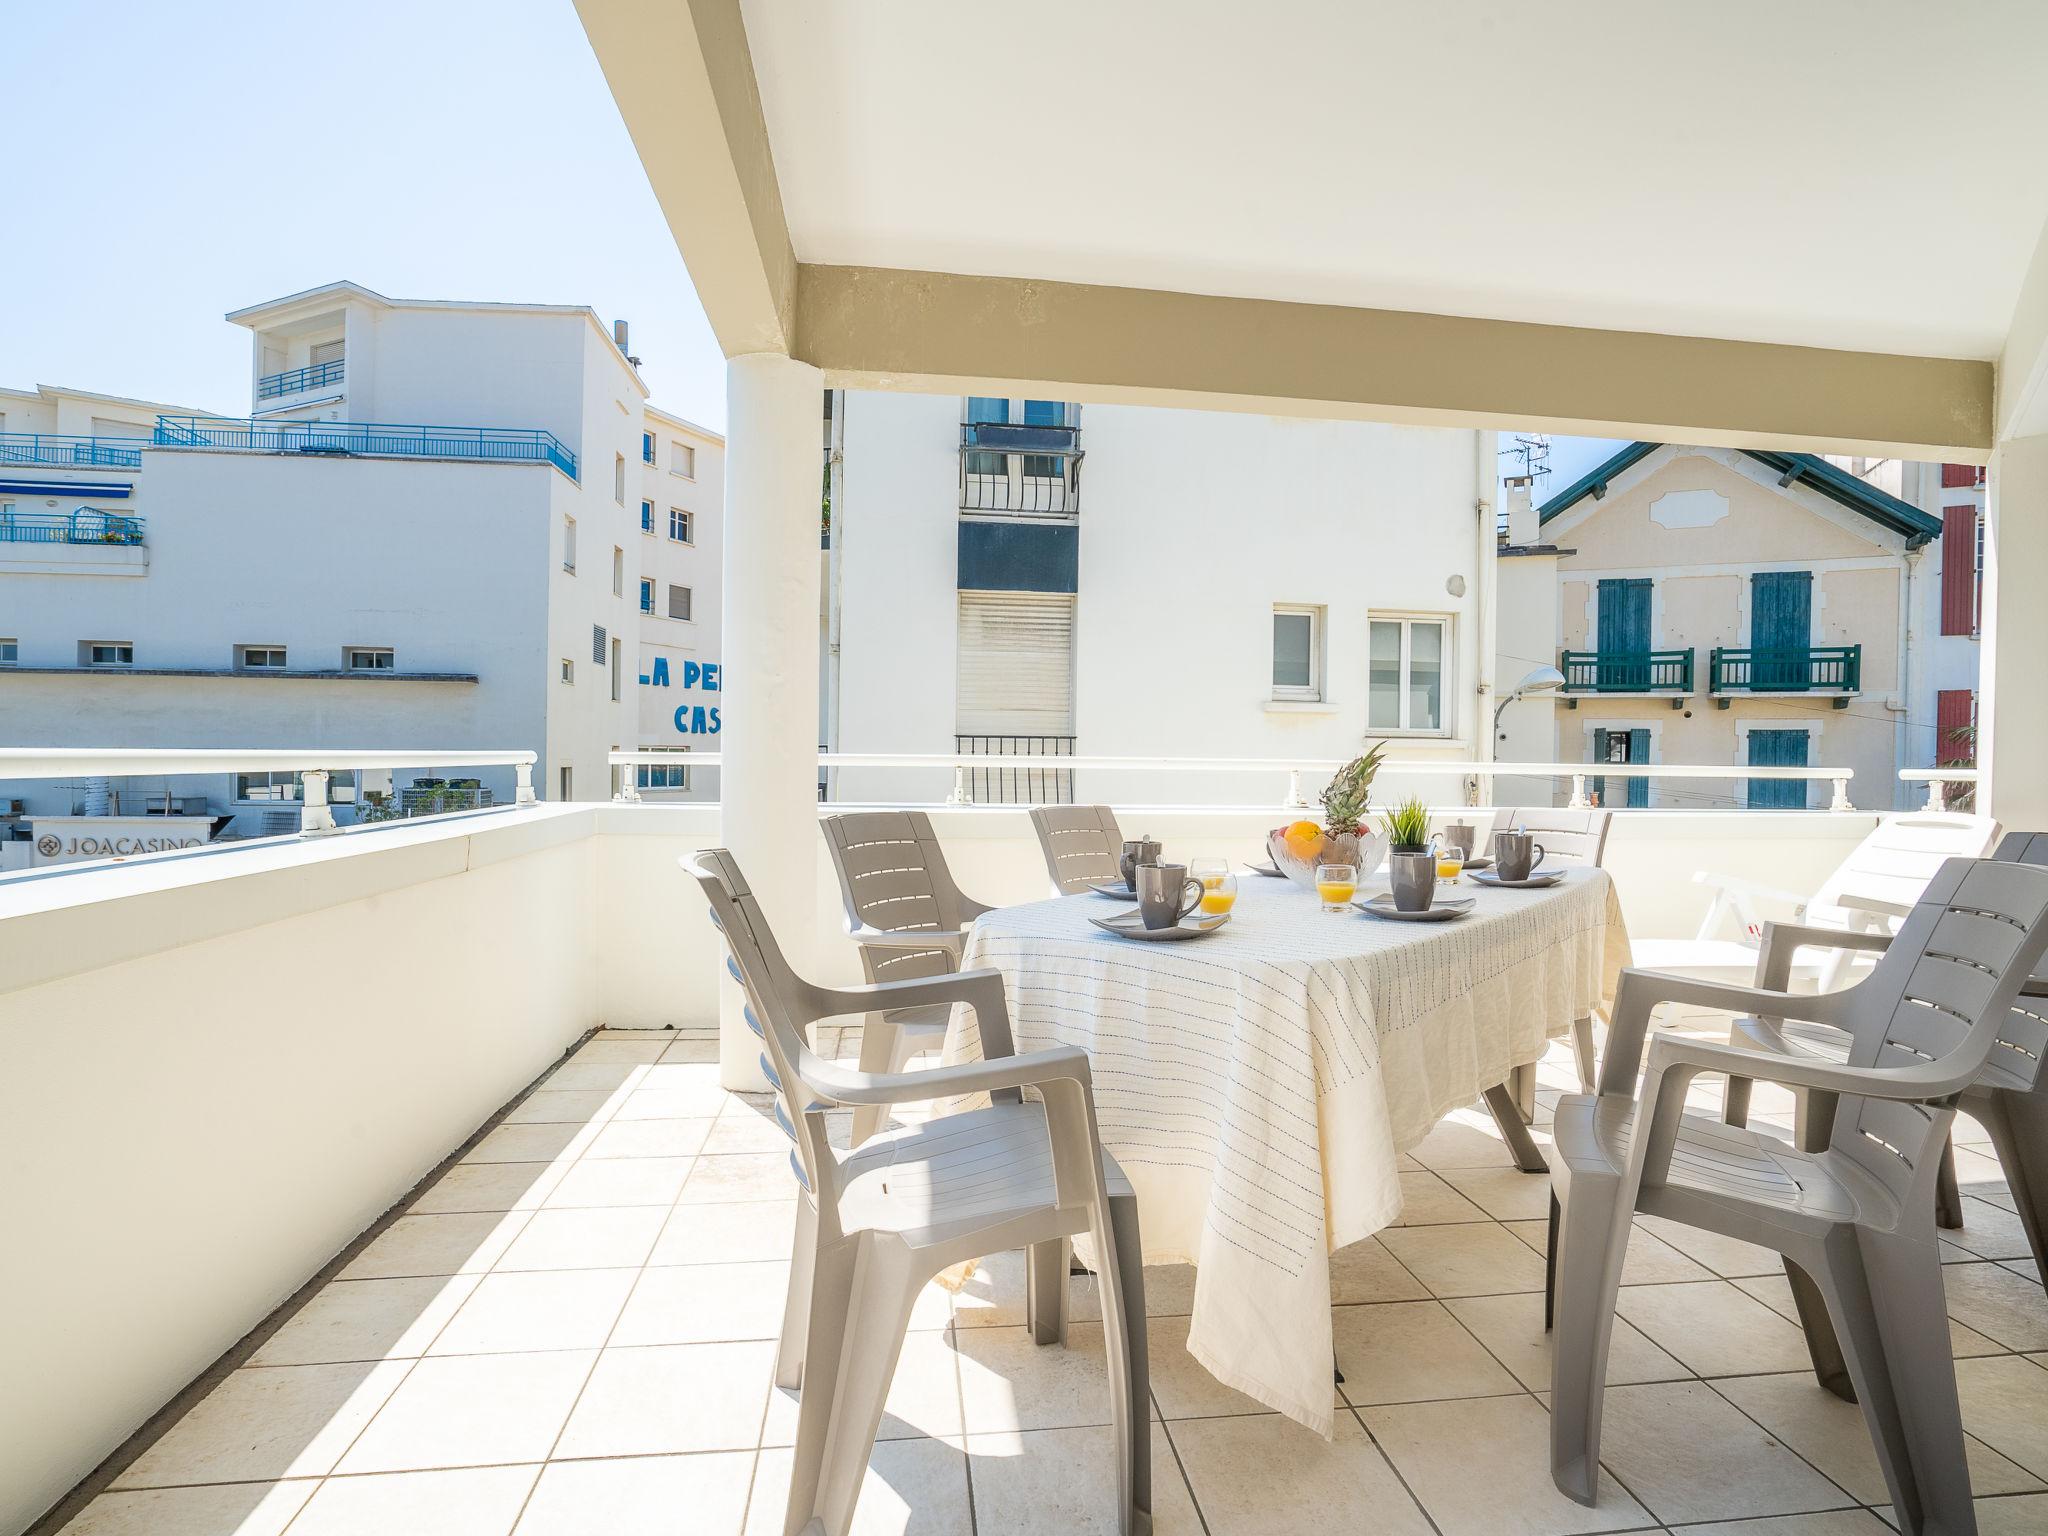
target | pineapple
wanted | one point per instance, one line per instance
(1344, 799)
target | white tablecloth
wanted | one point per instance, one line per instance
(1259, 1086)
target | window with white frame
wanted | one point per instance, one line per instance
(1297, 652)
(369, 658)
(662, 775)
(678, 602)
(106, 653)
(569, 544)
(10, 651)
(682, 460)
(568, 673)
(281, 788)
(646, 516)
(618, 670)
(1408, 674)
(618, 571)
(646, 447)
(259, 656)
(619, 478)
(682, 527)
(646, 594)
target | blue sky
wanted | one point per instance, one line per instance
(181, 162)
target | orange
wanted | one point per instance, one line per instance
(1304, 839)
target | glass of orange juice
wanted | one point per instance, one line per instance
(1336, 884)
(1219, 885)
(1450, 863)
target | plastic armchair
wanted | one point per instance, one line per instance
(1081, 843)
(1869, 892)
(1853, 1219)
(909, 919)
(876, 1224)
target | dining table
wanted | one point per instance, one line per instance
(1260, 1084)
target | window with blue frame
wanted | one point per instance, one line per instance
(647, 517)
(1045, 413)
(646, 447)
(663, 776)
(646, 596)
(1621, 747)
(981, 408)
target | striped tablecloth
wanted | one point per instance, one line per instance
(1259, 1086)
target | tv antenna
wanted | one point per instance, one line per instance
(1533, 449)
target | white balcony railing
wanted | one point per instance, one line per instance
(314, 768)
(1298, 774)
(1938, 782)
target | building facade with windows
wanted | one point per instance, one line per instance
(1017, 576)
(1752, 608)
(681, 481)
(426, 532)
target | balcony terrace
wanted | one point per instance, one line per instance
(540, 1293)
(296, 381)
(1826, 669)
(84, 526)
(1627, 674)
(495, 445)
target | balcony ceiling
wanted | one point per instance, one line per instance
(1862, 176)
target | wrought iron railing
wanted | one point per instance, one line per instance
(510, 445)
(85, 526)
(997, 785)
(1627, 671)
(1025, 471)
(1802, 669)
(296, 380)
(61, 452)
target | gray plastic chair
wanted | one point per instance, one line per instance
(1857, 1217)
(2009, 1098)
(876, 1224)
(909, 919)
(1574, 839)
(1081, 843)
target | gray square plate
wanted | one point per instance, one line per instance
(1443, 910)
(1128, 925)
(1533, 883)
(1114, 888)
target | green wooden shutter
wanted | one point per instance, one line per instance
(1624, 634)
(1781, 631)
(1777, 749)
(1638, 752)
(1596, 786)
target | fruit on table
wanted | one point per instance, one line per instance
(1304, 838)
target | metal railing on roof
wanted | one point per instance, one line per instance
(57, 451)
(297, 380)
(374, 439)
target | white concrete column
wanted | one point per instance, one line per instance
(769, 742)
(2012, 692)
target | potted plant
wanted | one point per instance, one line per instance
(1407, 826)
(1342, 836)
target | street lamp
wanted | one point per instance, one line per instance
(1541, 680)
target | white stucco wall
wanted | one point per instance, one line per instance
(1193, 526)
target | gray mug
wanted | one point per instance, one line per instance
(1516, 855)
(1166, 894)
(1461, 836)
(1414, 880)
(1137, 850)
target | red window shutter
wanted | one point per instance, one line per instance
(1959, 477)
(1955, 711)
(1958, 570)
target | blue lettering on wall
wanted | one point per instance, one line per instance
(690, 719)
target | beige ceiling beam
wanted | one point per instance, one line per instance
(871, 328)
(684, 81)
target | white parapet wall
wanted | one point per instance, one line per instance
(218, 1067)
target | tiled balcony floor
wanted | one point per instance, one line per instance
(572, 1332)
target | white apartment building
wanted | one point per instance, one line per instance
(1026, 576)
(682, 491)
(431, 530)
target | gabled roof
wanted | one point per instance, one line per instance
(1817, 474)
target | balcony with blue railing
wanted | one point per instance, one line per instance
(49, 450)
(367, 439)
(1627, 672)
(295, 381)
(85, 526)
(1825, 669)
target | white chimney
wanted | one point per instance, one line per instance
(1523, 527)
